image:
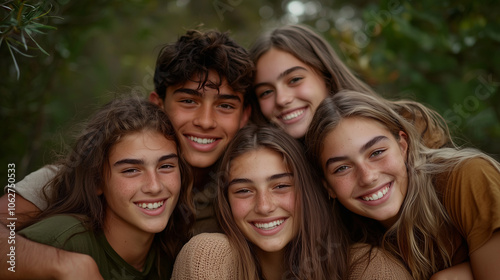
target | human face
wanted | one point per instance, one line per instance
(142, 185)
(261, 194)
(364, 166)
(205, 119)
(288, 90)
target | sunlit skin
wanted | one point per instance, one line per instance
(205, 119)
(364, 166)
(143, 172)
(262, 198)
(288, 90)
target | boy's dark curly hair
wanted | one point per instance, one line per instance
(192, 56)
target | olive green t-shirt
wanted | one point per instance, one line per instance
(68, 233)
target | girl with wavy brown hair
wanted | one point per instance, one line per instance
(118, 193)
(437, 210)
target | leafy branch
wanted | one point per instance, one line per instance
(19, 27)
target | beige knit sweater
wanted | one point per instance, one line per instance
(209, 256)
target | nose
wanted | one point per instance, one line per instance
(205, 118)
(367, 175)
(152, 184)
(284, 96)
(264, 203)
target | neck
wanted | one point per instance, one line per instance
(271, 264)
(133, 247)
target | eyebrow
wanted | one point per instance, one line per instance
(363, 148)
(271, 178)
(141, 162)
(282, 74)
(220, 96)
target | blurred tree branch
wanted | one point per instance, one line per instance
(18, 27)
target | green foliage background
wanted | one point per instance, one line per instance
(444, 54)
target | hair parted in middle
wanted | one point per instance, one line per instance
(197, 52)
(309, 47)
(85, 167)
(319, 250)
(421, 234)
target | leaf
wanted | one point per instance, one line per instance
(14, 59)
(40, 47)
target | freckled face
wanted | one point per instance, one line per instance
(143, 185)
(289, 91)
(364, 165)
(262, 198)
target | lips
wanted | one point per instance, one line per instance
(201, 140)
(150, 205)
(269, 225)
(377, 195)
(290, 115)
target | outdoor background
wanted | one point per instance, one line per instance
(445, 54)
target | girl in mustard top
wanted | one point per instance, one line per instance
(437, 210)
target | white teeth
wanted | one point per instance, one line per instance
(150, 206)
(268, 226)
(376, 196)
(201, 140)
(293, 115)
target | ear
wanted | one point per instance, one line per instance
(155, 99)
(329, 189)
(403, 143)
(245, 116)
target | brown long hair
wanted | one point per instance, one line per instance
(421, 235)
(319, 250)
(82, 170)
(312, 49)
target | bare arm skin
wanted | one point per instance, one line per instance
(38, 261)
(21, 258)
(461, 271)
(24, 210)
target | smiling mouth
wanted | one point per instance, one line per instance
(292, 115)
(376, 196)
(269, 226)
(201, 140)
(151, 205)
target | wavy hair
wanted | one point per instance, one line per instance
(319, 251)
(420, 236)
(83, 170)
(312, 49)
(194, 54)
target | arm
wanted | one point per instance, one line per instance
(461, 271)
(25, 198)
(206, 256)
(31, 260)
(23, 209)
(485, 261)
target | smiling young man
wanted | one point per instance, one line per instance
(201, 81)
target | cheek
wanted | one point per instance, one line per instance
(341, 186)
(267, 106)
(239, 209)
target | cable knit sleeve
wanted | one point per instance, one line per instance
(206, 256)
(378, 266)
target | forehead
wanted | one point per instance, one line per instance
(212, 81)
(137, 143)
(353, 132)
(259, 163)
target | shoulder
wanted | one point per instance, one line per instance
(206, 256)
(369, 263)
(55, 230)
